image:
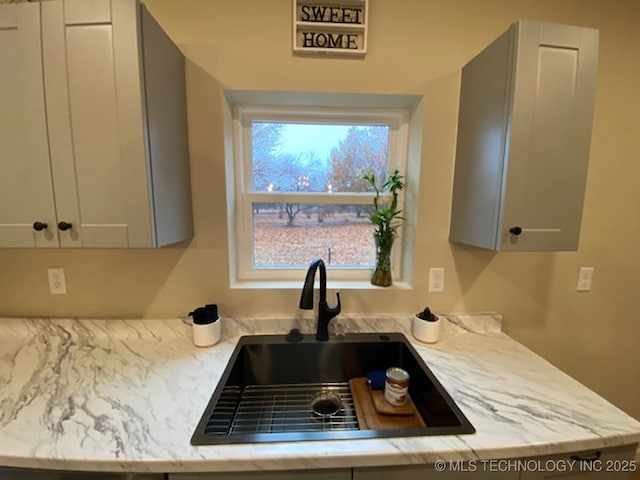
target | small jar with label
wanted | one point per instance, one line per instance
(396, 386)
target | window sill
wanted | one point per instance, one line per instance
(333, 285)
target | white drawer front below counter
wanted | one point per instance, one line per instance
(342, 474)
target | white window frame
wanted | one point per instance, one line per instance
(242, 222)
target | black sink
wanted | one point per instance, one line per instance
(265, 392)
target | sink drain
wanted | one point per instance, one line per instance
(325, 404)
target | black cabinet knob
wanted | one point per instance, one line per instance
(64, 226)
(515, 231)
(39, 226)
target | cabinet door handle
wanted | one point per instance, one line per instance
(64, 226)
(588, 458)
(39, 226)
(515, 231)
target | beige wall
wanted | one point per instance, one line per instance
(415, 47)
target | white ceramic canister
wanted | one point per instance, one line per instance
(206, 326)
(426, 326)
(206, 334)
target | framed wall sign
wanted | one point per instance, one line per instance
(330, 27)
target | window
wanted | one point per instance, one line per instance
(299, 192)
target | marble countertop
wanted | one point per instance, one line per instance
(126, 395)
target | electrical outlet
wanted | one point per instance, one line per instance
(57, 282)
(436, 280)
(585, 276)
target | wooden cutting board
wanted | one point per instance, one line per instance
(370, 418)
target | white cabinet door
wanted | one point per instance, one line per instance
(341, 474)
(116, 106)
(30, 474)
(610, 464)
(26, 191)
(524, 130)
(552, 115)
(94, 130)
(92, 78)
(451, 471)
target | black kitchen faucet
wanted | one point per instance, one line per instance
(325, 312)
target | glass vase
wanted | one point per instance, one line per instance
(382, 272)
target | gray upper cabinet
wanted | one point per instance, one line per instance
(524, 132)
(94, 148)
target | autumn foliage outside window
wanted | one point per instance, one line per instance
(303, 185)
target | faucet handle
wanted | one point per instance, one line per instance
(335, 310)
(325, 315)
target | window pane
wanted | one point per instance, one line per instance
(313, 157)
(293, 234)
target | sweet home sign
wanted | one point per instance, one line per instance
(330, 27)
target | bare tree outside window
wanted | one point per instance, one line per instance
(321, 160)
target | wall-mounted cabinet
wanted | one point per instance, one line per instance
(93, 137)
(524, 132)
